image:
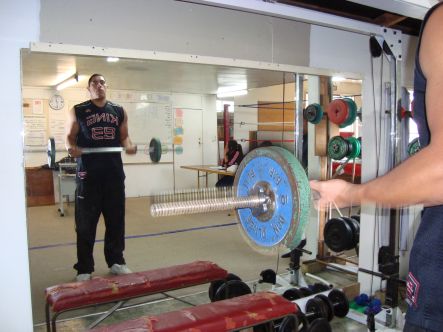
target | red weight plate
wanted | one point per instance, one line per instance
(338, 111)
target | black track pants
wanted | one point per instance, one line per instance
(91, 200)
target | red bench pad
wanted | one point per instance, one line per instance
(226, 315)
(115, 288)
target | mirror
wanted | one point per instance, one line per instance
(174, 101)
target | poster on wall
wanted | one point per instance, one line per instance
(35, 122)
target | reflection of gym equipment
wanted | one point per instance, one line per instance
(339, 148)
(271, 196)
(155, 150)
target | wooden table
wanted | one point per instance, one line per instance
(208, 169)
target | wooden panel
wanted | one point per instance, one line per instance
(39, 187)
(282, 114)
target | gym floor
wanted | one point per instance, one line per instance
(150, 243)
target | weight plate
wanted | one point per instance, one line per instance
(338, 148)
(413, 146)
(178, 149)
(313, 113)
(215, 285)
(230, 289)
(352, 114)
(315, 308)
(355, 225)
(340, 302)
(306, 291)
(155, 150)
(51, 152)
(292, 294)
(355, 147)
(328, 304)
(338, 111)
(338, 235)
(356, 217)
(319, 325)
(289, 324)
(319, 287)
(282, 178)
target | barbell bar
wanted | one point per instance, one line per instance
(155, 150)
(270, 195)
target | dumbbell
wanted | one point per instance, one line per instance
(342, 233)
(292, 294)
(339, 148)
(231, 286)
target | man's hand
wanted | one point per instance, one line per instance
(74, 152)
(338, 192)
(132, 149)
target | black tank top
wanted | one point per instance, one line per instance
(424, 289)
(99, 127)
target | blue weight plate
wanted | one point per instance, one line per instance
(283, 177)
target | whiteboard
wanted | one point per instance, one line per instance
(145, 121)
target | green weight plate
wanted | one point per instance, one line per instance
(276, 171)
(355, 147)
(414, 146)
(155, 150)
(51, 152)
(338, 148)
(178, 149)
(352, 114)
(313, 113)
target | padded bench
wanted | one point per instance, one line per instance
(226, 315)
(101, 290)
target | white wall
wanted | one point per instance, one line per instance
(18, 25)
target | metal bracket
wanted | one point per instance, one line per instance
(393, 39)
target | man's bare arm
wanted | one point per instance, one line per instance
(125, 140)
(71, 134)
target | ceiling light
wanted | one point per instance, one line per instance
(227, 94)
(70, 81)
(338, 79)
(112, 59)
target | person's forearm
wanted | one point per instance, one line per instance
(418, 180)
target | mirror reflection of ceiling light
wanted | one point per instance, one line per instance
(338, 79)
(112, 59)
(232, 91)
(70, 81)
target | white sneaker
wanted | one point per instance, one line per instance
(120, 269)
(83, 277)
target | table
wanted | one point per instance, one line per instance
(66, 184)
(208, 169)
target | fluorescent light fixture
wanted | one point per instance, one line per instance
(338, 79)
(227, 94)
(112, 59)
(70, 81)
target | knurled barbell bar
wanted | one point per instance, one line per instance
(271, 197)
(156, 149)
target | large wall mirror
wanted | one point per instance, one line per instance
(187, 106)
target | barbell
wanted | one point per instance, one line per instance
(271, 198)
(156, 149)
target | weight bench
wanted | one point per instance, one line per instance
(227, 315)
(101, 290)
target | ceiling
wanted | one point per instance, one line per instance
(47, 70)
(404, 15)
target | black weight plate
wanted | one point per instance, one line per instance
(319, 287)
(215, 285)
(338, 235)
(315, 308)
(340, 302)
(329, 306)
(289, 324)
(230, 289)
(319, 325)
(268, 276)
(292, 294)
(305, 291)
(355, 225)
(356, 217)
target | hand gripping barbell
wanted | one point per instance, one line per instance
(156, 149)
(271, 196)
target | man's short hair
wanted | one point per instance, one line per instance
(92, 76)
